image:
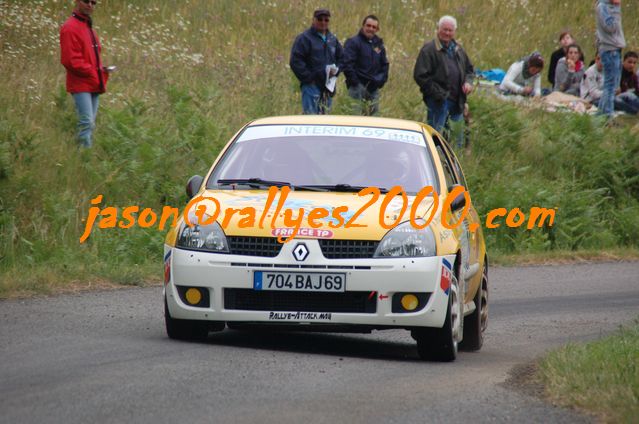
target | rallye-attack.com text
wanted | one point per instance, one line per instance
(205, 210)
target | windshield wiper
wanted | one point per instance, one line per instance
(346, 188)
(253, 182)
(258, 182)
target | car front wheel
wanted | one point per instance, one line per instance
(441, 344)
(186, 329)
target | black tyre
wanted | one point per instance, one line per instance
(184, 329)
(440, 344)
(475, 324)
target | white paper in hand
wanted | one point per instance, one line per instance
(331, 81)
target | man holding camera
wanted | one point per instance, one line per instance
(316, 56)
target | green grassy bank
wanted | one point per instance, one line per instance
(601, 377)
(191, 73)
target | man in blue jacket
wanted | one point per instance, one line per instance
(312, 51)
(365, 67)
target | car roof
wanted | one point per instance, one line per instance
(357, 121)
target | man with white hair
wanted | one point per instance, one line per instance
(444, 74)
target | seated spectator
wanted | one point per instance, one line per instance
(523, 76)
(628, 98)
(570, 71)
(592, 83)
(565, 39)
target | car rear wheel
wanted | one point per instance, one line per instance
(186, 329)
(441, 344)
(475, 324)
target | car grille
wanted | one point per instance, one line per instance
(348, 249)
(258, 300)
(266, 247)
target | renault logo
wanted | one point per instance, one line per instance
(300, 252)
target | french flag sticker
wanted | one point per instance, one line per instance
(446, 276)
(167, 267)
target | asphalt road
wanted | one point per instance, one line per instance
(104, 357)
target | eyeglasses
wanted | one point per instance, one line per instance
(323, 19)
(93, 2)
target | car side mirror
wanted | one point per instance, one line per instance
(460, 201)
(193, 185)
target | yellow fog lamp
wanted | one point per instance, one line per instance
(410, 302)
(193, 296)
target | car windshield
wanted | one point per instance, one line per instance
(330, 157)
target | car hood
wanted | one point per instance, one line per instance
(366, 225)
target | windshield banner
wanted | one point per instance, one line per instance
(279, 131)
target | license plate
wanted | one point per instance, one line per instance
(299, 281)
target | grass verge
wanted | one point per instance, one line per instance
(601, 377)
(559, 257)
(41, 279)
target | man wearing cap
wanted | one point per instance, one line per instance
(444, 74)
(365, 67)
(312, 51)
(86, 77)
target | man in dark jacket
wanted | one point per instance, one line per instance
(444, 74)
(314, 50)
(86, 77)
(628, 98)
(365, 67)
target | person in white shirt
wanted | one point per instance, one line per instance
(592, 83)
(524, 76)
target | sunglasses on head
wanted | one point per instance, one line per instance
(92, 2)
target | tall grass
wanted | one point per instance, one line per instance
(190, 73)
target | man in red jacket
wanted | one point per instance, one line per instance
(86, 77)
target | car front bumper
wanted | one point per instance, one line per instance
(383, 277)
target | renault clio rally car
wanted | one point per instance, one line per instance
(232, 270)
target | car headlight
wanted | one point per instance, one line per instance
(207, 238)
(405, 241)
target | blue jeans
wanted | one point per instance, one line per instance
(439, 113)
(314, 101)
(611, 61)
(365, 102)
(86, 104)
(627, 102)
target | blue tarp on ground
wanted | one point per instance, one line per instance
(495, 74)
